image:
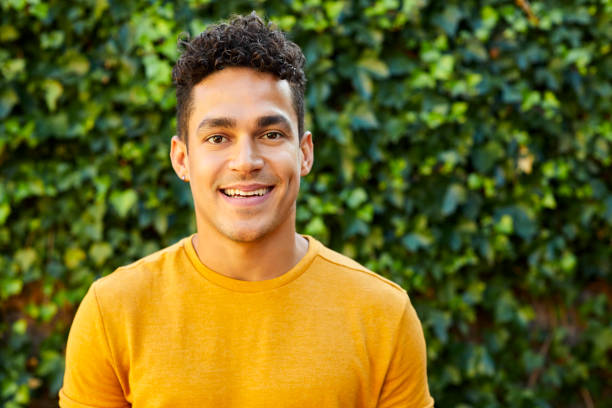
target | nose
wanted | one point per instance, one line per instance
(245, 156)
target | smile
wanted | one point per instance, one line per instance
(237, 193)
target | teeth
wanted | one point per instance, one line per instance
(232, 192)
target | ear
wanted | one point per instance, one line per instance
(179, 158)
(306, 154)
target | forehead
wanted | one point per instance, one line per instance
(242, 94)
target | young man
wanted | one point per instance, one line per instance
(246, 312)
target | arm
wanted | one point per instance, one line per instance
(406, 380)
(90, 379)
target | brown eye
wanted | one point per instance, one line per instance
(216, 139)
(272, 135)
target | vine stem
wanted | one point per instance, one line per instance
(526, 7)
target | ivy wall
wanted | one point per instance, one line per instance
(462, 148)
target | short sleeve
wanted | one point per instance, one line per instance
(90, 379)
(406, 380)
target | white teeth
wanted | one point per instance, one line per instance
(232, 192)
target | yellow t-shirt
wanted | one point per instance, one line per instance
(166, 331)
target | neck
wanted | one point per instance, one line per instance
(267, 258)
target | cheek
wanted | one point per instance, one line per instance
(288, 159)
(204, 166)
(291, 170)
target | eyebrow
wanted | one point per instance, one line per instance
(217, 122)
(262, 122)
(270, 120)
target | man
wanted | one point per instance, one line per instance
(246, 312)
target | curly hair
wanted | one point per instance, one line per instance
(245, 41)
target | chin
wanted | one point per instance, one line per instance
(245, 235)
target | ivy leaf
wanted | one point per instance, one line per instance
(8, 99)
(505, 225)
(25, 258)
(364, 84)
(316, 227)
(444, 67)
(441, 322)
(449, 19)
(123, 201)
(455, 195)
(53, 90)
(364, 118)
(75, 63)
(374, 66)
(5, 211)
(358, 196)
(8, 33)
(73, 257)
(415, 241)
(100, 252)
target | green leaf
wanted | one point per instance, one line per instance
(443, 68)
(10, 287)
(73, 257)
(505, 225)
(53, 39)
(53, 90)
(532, 361)
(316, 227)
(5, 211)
(16, 4)
(485, 157)
(364, 84)
(157, 70)
(25, 258)
(123, 201)
(357, 197)
(8, 33)
(441, 322)
(374, 66)
(47, 311)
(364, 118)
(11, 68)
(333, 9)
(568, 262)
(415, 241)
(100, 252)
(455, 195)
(8, 99)
(20, 326)
(161, 223)
(76, 63)
(522, 220)
(449, 19)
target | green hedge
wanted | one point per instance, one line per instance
(462, 148)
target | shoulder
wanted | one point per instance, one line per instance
(349, 278)
(143, 274)
(356, 270)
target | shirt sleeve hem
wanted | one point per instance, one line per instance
(66, 402)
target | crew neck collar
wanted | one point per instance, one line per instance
(252, 286)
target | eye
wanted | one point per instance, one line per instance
(272, 135)
(216, 139)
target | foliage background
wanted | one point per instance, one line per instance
(463, 149)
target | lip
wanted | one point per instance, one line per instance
(246, 187)
(246, 201)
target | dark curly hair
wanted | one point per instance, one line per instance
(245, 41)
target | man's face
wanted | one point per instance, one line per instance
(244, 159)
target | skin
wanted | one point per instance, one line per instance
(243, 134)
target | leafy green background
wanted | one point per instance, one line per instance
(463, 149)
